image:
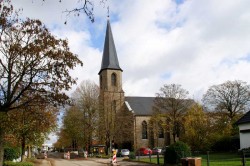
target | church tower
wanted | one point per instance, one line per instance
(110, 79)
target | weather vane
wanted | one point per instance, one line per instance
(108, 12)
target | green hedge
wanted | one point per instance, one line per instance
(10, 154)
(226, 143)
(132, 155)
(10, 163)
(176, 151)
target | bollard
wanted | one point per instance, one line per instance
(139, 156)
(68, 155)
(114, 157)
(150, 157)
(158, 160)
(85, 154)
(207, 158)
(243, 159)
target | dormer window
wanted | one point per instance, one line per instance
(113, 79)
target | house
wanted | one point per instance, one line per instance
(244, 130)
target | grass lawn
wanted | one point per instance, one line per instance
(153, 160)
(216, 159)
(223, 159)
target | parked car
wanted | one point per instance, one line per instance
(144, 151)
(124, 152)
(157, 150)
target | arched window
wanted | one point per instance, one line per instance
(160, 131)
(100, 81)
(144, 130)
(113, 79)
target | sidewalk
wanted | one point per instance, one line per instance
(43, 163)
(101, 160)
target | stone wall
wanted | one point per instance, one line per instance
(152, 139)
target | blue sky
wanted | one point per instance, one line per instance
(195, 43)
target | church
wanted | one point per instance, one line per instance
(126, 119)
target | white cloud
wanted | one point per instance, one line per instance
(198, 36)
(79, 43)
(50, 12)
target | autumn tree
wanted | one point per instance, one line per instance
(34, 65)
(197, 127)
(230, 98)
(157, 124)
(63, 139)
(73, 128)
(32, 124)
(80, 121)
(86, 100)
(124, 128)
(171, 102)
(204, 130)
(223, 135)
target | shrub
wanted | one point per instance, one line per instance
(176, 151)
(10, 154)
(132, 155)
(10, 163)
(170, 156)
(226, 144)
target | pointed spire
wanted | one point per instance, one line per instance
(108, 12)
(109, 57)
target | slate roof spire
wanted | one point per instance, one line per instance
(109, 57)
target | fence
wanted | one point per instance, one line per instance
(209, 158)
(224, 159)
(156, 159)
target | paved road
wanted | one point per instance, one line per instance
(92, 162)
(56, 160)
(63, 162)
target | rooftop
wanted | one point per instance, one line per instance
(141, 105)
(244, 119)
(109, 57)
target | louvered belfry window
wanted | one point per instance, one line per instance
(113, 79)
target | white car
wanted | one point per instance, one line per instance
(125, 152)
(41, 155)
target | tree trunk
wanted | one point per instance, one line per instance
(1, 146)
(107, 147)
(174, 137)
(29, 152)
(23, 148)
